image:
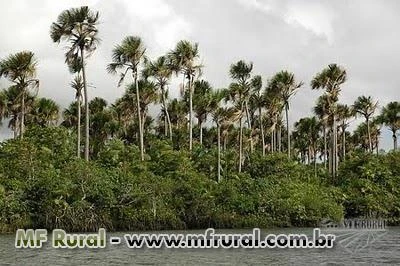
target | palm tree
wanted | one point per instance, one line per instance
(44, 112)
(148, 95)
(127, 56)
(218, 114)
(390, 117)
(203, 103)
(330, 79)
(257, 100)
(343, 114)
(20, 69)
(239, 93)
(366, 107)
(70, 115)
(321, 110)
(78, 27)
(161, 71)
(309, 128)
(361, 136)
(78, 85)
(184, 59)
(285, 85)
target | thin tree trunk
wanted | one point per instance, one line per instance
(85, 91)
(325, 146)
(279, 139)
(249, 125)
(240, 141)
(167, 113)
(190, 114)
(394, 140)
(334, 148)
(369, 135)
(344, 142)
(78, 145)
(21, 133)
(201, 132)
(287, 128)
(273, 140)
(315, 159)
(262, 131)
(377, 144)
(139, 115)
(219, 151)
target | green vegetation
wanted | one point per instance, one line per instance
(240, 165)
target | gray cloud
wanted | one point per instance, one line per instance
(298, 35)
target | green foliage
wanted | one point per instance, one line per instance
(44, 185)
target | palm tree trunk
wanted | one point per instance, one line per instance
(394, 140)
(78, 148)
(369, 135)
(287, 128)
(85, 91)
(325, 145)
(249, 125)
(279, 139)
(377, 145)
(139, 115)
(166, 113)
(201, 132)
(219, 151)
(262, 131)
(190, 114)
(272, 140)
(344, 142)
(315, 159)
(21, 133)
(240, 141)
(334, 148)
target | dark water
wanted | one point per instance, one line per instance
(351, 248)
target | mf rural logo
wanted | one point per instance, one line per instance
(354, 235)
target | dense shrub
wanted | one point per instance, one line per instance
(44, 185)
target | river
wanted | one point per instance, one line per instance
(351, 248)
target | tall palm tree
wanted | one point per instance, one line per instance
(127, 56)
(184, 58)
(77, 85)
(239, 93)
(390, 117)
(77, 26)
(148, 95)
(219, 114)
(366, 107)
(161, 71)
(343, 114)
(285, 85)
(203, 103)
(257, 100)
(330, 79)
(309, 128)
(20, 69)
(321, 110)
(274, 107)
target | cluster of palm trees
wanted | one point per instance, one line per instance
(247, 115)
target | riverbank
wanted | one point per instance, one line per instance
(44, 185)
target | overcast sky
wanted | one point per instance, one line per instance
(296, 35)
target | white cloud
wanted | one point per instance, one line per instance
(312, 16)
